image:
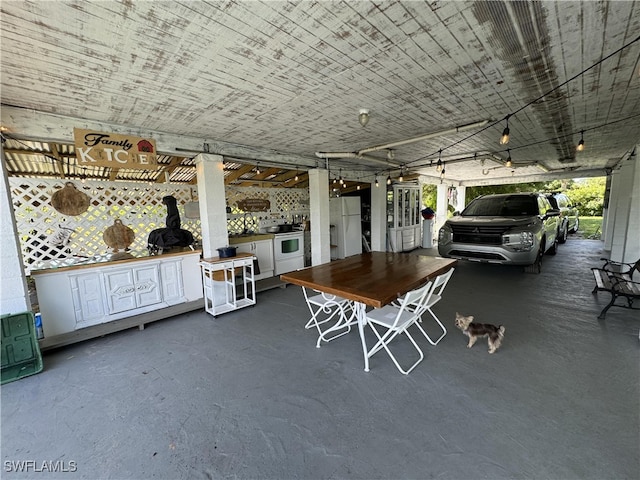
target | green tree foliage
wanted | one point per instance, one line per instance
(587, 193)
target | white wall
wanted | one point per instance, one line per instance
(622, 234)
(14, 296)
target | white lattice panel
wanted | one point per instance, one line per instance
(284, 202)
(47, 234)
(44, 232)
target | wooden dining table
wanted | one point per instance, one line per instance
(372, 279)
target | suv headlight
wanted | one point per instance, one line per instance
(445, 235)
(518, 241)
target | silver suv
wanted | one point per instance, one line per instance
(512, 228)
(569, 221)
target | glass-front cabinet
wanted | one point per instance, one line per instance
(403, 217)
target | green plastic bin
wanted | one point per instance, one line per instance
(21, 355)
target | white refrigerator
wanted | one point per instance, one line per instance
(346, 234)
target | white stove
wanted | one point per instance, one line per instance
(288, 251)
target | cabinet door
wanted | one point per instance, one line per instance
(121, 290)
(87, 292)
(147, 285)
(264, 252)
(245, 247)
(171, 279)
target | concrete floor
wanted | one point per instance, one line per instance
(247, 395)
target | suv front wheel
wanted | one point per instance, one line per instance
(536, 267)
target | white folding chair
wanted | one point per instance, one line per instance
(324, 307)
(395, 320)
(436, 295)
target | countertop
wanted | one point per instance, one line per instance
(249, 237)
(72, 263)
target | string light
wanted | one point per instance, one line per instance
(257, 169)
(389, 179)
(401, 177)
(509, 163)
(504, 139)
(439, 164)
(580, 146)
(377, 183)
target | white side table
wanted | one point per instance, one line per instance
(229, 283)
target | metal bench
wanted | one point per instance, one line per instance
(617, 279)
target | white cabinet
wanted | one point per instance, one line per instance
(403, 217)
(75, 297)
(88, 299)
(172, 282)
(134, 287)
(263, 251)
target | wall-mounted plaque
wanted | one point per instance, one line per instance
(114, 150)
(254, 205)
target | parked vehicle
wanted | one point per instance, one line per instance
(569, 214)
(513, 228)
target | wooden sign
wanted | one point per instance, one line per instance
(254, 205)
(113, 150)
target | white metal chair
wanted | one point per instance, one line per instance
(396, 319)
(324, 307)
(439, 285)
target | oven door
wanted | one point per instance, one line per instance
(287, 246)
(288, 252)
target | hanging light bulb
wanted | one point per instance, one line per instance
(401, 177)
(439, 164)
(377, 183)
(509, 163)
(389, 179)
(296, 178)
(358, 187)
(363, 117)
(580, 146)
(442, 172)
(257, 169)
(504, 139)
(341, 180)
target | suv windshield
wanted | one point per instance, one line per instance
(503, 206)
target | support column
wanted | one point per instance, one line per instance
(462, 197)
(14, 294)
(212, 201)
(319, 216)
(442, 204)
(624, 226)
(378, 217)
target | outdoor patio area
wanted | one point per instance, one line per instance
(248, 395)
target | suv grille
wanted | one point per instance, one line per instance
(484, 235)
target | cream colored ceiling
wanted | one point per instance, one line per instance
(285, 80)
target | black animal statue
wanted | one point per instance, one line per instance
(172, 235)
